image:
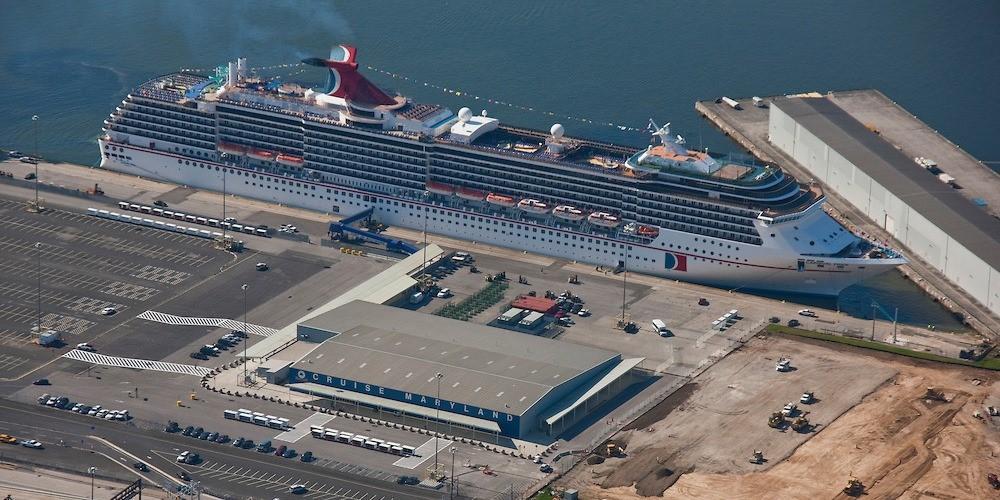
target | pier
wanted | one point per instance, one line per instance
(747, 124)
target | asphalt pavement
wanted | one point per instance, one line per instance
(225, 471)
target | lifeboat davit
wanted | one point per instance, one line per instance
(501, 199)
(568, 213)
(604, 219)
(261, 154)
(440, 188)
(290, 160)
(648, 231)
(533, 206)
(471, 194)
(231, 149)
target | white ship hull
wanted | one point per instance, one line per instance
(673, 254)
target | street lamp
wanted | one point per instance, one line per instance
(38, 275)
(34, 127)
(451, 491)
(92, 470)
(437, 416)
(423, 269)
(224, 157)
(246, 377)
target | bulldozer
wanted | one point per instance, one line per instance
(776, 420)
(933, 394)
(854, 488)
(801, 424)
(757, 458)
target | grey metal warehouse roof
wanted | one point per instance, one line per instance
(483, 366)
(939, 203)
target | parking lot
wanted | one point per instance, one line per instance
(83, 266)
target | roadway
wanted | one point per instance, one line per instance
(225, 471)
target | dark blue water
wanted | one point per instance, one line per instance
(71, 62)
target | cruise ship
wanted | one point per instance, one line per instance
(664, 210)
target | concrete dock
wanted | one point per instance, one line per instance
(749, 128)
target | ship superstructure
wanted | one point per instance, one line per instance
(664, 210)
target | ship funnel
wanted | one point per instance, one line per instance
(231, 77)
(241, 68)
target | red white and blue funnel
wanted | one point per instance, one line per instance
(346, 82)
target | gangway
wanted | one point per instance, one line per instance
(392, 245)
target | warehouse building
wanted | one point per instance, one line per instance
(930, 217)
(467, 375)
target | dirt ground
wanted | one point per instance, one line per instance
(899, 444)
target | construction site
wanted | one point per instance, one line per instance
(807, 419)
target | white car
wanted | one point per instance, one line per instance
(809, 313)
(83, 346)
(108, 311)
(262, 266)
(183, 456)
(583, 313)
(444, 293)
(31, 443)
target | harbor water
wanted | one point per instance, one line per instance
(600, 68)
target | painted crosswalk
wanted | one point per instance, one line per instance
(138, 364)
(231, 324)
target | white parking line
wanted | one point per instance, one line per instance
(231, 324)
(422, 454)
(139, 364)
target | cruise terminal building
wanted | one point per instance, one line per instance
(466, 375)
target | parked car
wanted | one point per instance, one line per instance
(139, 466)
(248, 444)
(183, 456)
(83, 346)
(193, 459)
(546, 468)
(809, 313)
(238, 442)
(30, 176)
(281, 450)
(160, 203)
(702, 301)
(171, 427)
(197, 432)
(307, 457)
(775, 319)
(184, 476)
(187, 431)
(42, 381)
(408, 480)
(222, 438)
(108, 311)
(297, 489)
(262, 266)
(199, 355)
(289, 453)
(264, 447)
(793, 323)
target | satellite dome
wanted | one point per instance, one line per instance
(464, 114)
(557, 131)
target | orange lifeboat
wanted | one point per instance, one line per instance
(440, 188)
(648, 231)
(471, 194)
(501, 200)
(603, 219)
(290, 160)
(261, 154)
(231, 149)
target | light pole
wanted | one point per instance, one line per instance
(34, 128)
(451, 491)
(92, 470)
(423, 269)
(246, 377)
(38, 275)
(437, 416)
(224, 156)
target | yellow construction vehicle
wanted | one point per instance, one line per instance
(776, 420)
(800, 424)
(854, 488)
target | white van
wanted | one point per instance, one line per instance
(661, 328)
